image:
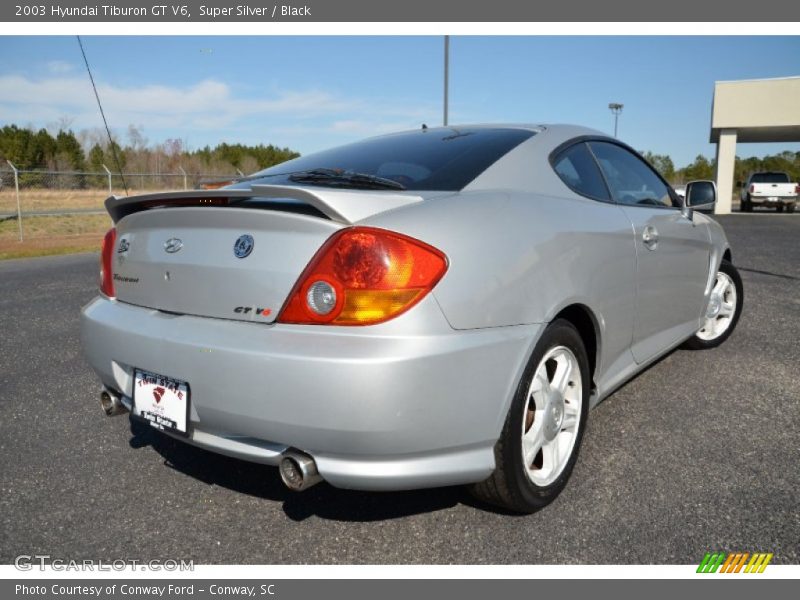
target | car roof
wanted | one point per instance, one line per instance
(555, 128)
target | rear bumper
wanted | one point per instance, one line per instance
(773, 199)
(407, 404)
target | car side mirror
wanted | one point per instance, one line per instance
(700, 195)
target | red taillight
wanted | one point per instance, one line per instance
(752, 188)
(797, 189)
(106, 254)
(363, 276)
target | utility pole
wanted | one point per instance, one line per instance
(446, 75)
(616, 109)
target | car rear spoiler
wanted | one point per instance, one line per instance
(344, 206)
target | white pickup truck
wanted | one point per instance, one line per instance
(769, 188)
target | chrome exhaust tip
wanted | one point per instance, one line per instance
(111, 404)
(299, 471)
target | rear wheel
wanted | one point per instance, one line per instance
(544, 426)
(779, 208)
(790, 207)
(747, 205)
(724, 308)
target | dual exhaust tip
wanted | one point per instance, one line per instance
(298, 471)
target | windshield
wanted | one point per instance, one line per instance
(770, 178)
(444, 159)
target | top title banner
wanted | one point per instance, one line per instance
(400, 11)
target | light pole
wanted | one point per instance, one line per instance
(446, 75)
(616, 109)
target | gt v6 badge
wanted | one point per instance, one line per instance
(172, 245)
(264, 312)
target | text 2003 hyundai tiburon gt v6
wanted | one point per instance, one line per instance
(428, 308)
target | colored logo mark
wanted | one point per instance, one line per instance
(734, 562)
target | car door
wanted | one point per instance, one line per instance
(672, 251)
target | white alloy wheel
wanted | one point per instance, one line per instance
(721, 308)
(552, 416)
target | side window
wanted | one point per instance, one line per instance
(632, 181)
(577, 168)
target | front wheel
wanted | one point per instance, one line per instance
(723, 310)
(544, 426)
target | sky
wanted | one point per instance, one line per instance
(311, 93)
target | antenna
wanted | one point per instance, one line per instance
(111, 143)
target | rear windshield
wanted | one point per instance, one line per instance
(428, 159)
(769, 178)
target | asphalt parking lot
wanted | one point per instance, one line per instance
(698, 453)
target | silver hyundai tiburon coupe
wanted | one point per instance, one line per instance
(429, 308)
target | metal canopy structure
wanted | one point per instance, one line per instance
(754, 110)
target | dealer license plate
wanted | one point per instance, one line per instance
(161, 401)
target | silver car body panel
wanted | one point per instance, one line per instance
(419, 400)
(670, 278)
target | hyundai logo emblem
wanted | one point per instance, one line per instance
(243, 246)
(172, 245)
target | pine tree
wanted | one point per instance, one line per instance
(69, 152)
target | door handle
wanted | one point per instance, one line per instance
(650, 237)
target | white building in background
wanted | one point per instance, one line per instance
(752, 110)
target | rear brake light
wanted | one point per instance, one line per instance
(106, 254)
(363, 276)
(797, 189)
(752, 188)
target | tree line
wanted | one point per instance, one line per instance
(704, 168)
(89, 150)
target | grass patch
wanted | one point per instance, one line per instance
(32, 200)
(46, 236)
(26, 251)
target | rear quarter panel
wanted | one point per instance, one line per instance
(519, 258)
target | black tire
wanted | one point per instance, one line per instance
(698, 343)
(509, 486)
(745, 205)
(779, 208)
(790, 208)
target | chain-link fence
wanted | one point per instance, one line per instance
(65, 203)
